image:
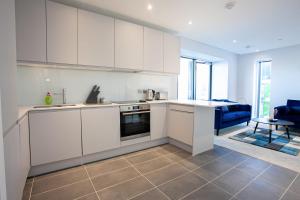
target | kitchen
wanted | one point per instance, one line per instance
(133, 107)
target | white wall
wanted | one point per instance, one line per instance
(231, 58)
(8, 63)
(116, 86)
(285, 75)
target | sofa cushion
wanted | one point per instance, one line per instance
(230, 116)
(291, 102)
(294, 110)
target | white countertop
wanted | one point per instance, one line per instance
(25, 109)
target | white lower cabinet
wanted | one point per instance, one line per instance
(54, 135)
(158, 119)
(100, 129)
(24, 148)
(181, 123)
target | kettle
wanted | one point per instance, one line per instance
(150, 94)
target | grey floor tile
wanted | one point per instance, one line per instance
(280, 176)
(126, 190)
(260, 189)
(165, 174)
(233, 181)
(106, 180)
(92, 196)
(216, 152)
(181, 186)
(151, 165)
(143, 157)
(53, 182)
(167, 148)
(179, 155)
(60, 172)
(151, 195)
(27, 191)
(99, 168)
(192, 162)
(291, 196)
(66, 193)
(253, 166)
(208, 192)
(295, 187)
(213, 169)
(234, 158)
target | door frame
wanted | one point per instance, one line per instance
(2, 161)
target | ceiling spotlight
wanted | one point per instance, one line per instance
(149, 7)
(190, 22)
(279, 39)
(257, 50)
(248, 46)
(234, 41)
(229, 5)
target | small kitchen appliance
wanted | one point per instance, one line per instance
(149, 94)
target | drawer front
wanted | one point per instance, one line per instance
(189, 109)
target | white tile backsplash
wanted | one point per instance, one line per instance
(34, 83)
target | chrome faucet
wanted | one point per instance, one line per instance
(63, 93)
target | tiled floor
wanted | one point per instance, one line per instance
(167, 172)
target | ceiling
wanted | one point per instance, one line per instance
(256, 25)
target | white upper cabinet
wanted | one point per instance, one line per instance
(95, 39)
(153, 50)
(171, 54)
(128, 45)
(31, 30)
(61, 33)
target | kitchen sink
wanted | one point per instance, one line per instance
(54, 106)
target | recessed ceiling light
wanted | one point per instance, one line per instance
(149, 7)
(234, 41)
(190, 22)
(257, 50)
(279, 39)
(248, 46)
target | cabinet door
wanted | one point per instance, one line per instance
(24, 148)
(128, 45)
(12, 164)
(158, 118)
(181, 126)
(100, 129)
(171, 54)
(54, 136)
(153, 50)
(95, 39)
(31, 30)
(61, 33)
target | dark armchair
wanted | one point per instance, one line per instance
(289, 112)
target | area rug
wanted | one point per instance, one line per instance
(280, 141)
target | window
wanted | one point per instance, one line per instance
(185, 79)
(202, 80)
(264, 88)
(203, 83)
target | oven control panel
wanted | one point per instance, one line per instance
(135, 107)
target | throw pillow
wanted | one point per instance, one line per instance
(225, 109)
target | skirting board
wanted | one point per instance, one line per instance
(51, 167)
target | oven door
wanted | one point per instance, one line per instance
(135, 124)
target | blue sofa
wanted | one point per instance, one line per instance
(289, 112)
(226, 116)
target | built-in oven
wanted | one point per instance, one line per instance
(134, 121)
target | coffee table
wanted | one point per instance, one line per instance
(277, 123)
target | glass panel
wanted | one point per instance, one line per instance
(185, 79)
(264, 89)
(202, 81)
(220, 80)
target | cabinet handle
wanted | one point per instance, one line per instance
(184, 111)
(134, 113)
